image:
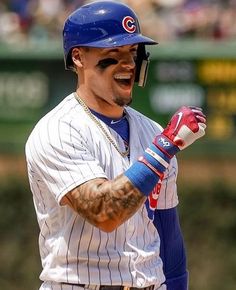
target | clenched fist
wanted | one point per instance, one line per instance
(186, 126)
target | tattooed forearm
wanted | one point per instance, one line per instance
(106, 203)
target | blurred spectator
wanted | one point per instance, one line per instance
(164, 20)
(46, 24)
(207, 19)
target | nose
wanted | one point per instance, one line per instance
(128, 61)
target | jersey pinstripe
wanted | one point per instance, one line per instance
(66, 149)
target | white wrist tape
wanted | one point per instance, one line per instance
(157, 157)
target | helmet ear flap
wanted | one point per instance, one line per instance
(68, 61)
(142, 64)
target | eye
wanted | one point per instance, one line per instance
(135, 57)
(134, 52)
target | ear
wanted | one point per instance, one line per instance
(76, 56)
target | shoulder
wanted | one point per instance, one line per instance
(67, 112)
(55, 126)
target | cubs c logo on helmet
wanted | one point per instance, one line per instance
(128, 23)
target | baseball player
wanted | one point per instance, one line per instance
(98, 169)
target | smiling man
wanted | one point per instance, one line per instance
(103, 176)
(106, 70)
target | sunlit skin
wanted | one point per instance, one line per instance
(98, 85)
(105, 83)
(105, 204)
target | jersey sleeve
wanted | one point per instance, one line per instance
(168, 197)
(60, 160)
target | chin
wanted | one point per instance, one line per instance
(123, 101)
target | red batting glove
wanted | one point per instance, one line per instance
(186, 126)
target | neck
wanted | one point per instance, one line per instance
(101, 106)
(99, 125)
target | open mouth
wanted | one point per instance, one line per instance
(123, 79)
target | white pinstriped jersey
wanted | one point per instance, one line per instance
(66, 149)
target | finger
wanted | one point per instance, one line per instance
(199, 113)
(201, 119)
(202, 126)
(195, 108)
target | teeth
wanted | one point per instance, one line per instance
(122, 77)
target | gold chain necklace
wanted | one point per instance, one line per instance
(100, 126)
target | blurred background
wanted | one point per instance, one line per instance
(194, 64)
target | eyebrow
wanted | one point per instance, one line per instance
(116, 49)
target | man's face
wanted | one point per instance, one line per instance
(108, 74)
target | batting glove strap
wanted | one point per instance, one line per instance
(166, 146)
(150, 166)
(148, 170)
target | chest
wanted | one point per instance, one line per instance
(107, 146)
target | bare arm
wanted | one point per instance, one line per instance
(105, 204)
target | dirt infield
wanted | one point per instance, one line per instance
(207, 171)
(12, 165)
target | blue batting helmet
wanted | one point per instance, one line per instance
(104, 24)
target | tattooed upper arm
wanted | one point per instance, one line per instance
(105, 204)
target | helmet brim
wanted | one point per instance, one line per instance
(110, 42)
(121, 40)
